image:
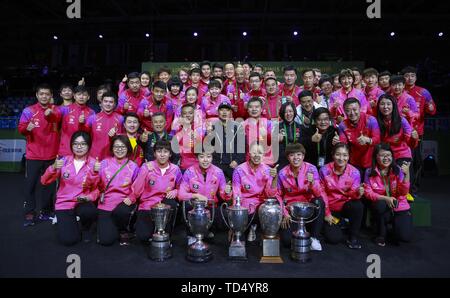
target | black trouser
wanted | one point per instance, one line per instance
(417, 164)
(68, 229)
(353, 210)
(144, 223)
(411, 168)
(34, 170)
(402, 221)
(111, 223)
(314, 227)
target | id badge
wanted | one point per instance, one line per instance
(321, 161)
(283, 100)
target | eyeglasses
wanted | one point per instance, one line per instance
(385, 155)
(80, 145)
(120, 148)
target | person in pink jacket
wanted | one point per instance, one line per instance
(114, 177)
(299, 182)
(386, 186)
(407, 106)
(145, 79)
(341, 184)
(210, 103)
(337, 98)
(157, 182)
(396, 131)
(76, 194)
(205, 182)
(74, 117)
(103, 125)
(372, 91)
(130, 99)
(39, 124)
(254, 181)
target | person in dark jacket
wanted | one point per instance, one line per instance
(290, 131)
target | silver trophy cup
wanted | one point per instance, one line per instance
(238, 223)
(270, 217)
(160, 248)
(300, 213)
(199, 220)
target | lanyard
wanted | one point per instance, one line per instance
(268, 107)
(287, 134)
(163, 138)
(387, 184)
(292, 93)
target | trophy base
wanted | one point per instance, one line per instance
(237, 252)
(271, 250)
(160, 251)
(271, 260)
(199, 252)
(300, 257)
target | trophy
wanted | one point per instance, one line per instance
(238, 224)
(199, 220)
(270, 217)
(160, 246)
(301, 239)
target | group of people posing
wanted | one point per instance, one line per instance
(348, 145)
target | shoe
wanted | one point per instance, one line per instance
(315, 244)
(124, 239)
(29, 220)
(191, 240)
(380, 241)
(43, 216)
(353, 244)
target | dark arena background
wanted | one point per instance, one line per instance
(98, 42)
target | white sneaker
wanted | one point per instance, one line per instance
(191, 240)
(315, 244)
(54, 220)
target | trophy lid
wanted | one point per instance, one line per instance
(161, 206)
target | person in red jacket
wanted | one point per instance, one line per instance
(39, 124)
(386, 186)
(361, 132)
(130, 99)
(74, 118)
(384, 81)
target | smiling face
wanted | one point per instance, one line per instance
(158, 94)
(183, 76)
(240, 75)
(191, 97)
(307, 103)
(229, 71)
(255, 83)
(204, 160)
(398, 88)
(327, 88)
(341, 157)
(296, 159)
(271, 87)
(80, 147)
(256, 154)
(108, 104)
(206, 71)
(384, 159)
(188, 113)
(145, 80)
(131, 125)
(214, 91)
(158, 123)
(289, 114)
(254, 109)
(386, 107)
(290, 77)
(353, 112)
(323, 122)
(119, 149)
(346, 82)
(66, 93)
(175, 90)
(371, 81)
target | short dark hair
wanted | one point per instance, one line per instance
(289, 68)
(134, 75)
(130, 114)
(384, 73)
(80, 89)
(159, 114)
(325, 78)
(195, 70)
(162, 144)
(254, 74)
(86, 136)
(346, 73)
(203, 63)
(217, 65)
(305, 93)
(191, 88)
(340, 145)
(187, 105)
(159, 84)
(145, 73)
(408, 69)
(175, 81)
(125, 140)
(308, 70)
(294, 148)
(64, 86)
(284, 107)
(163, 69)
(254, 99)
(214, 83)
(392, 166)
(370, 72)
(319, 111)
(248, 63)
(44, 86)
(104, 87)
(351, 100)
(110, 94)
(397, 79)
(356, 69)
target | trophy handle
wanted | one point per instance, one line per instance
(223, 217)
(212, 212)
(253, 217)
(311, 220)
(183, 210)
